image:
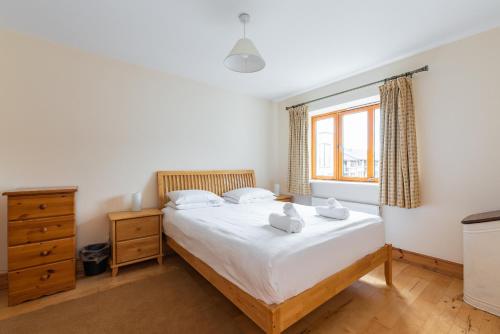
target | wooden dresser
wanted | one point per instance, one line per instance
(41, 242)
(135, 236)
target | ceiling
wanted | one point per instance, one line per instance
(306, 43)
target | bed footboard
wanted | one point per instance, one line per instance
(276, 318)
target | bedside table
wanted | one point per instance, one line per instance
(284, 198)
(135, 236)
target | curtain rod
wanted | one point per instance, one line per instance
(422, 69)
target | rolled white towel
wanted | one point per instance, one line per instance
(335, 213)
(285, 223)
(290, 211)
(333, 203)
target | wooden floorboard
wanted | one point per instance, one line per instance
(420, 301)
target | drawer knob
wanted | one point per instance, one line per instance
(43, 206)
(45, 253)
(47, 275)
(44, 229)
(138, 228)
(139, 250)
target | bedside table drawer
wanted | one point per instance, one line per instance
(135, 249)
(42, 229)
(31, 206)
(30, 255)
(137, 228)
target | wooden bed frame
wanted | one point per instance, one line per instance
(273, 318)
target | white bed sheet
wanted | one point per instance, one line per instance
(237, 241)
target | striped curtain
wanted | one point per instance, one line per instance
(399, 182)
(298, 151)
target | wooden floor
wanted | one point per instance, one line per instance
(420, 301)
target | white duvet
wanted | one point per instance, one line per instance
(237, 241)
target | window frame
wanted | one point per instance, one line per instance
(337, 117)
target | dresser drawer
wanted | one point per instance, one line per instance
(31, 206)
(42, 229)
(137, 228)
(29, 255)
(39, 281)
(135, 249)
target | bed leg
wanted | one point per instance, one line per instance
(274, 328)
(388, 266)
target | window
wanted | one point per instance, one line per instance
(324, 146)
(346, 144)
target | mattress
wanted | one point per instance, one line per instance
(237, 241)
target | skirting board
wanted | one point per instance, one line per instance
(428, 262)
(79, 268)
(3, 281)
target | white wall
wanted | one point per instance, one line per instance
(72, 118)
(458, 120)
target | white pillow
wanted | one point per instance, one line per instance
(192, 196)
(190, 206)
(250, 200)
(247, 195)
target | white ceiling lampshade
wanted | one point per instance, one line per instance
(244, 57)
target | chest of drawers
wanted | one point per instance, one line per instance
(41, 242)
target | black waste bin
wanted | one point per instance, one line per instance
(95, 258)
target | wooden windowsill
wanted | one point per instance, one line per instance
(345, 182)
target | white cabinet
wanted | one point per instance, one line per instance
(481, 234)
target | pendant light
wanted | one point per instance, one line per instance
(244, 57)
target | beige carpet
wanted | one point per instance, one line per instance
(174, 302)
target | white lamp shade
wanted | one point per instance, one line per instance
(136, 201)
(276, 189)
(244, 57)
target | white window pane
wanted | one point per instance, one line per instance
(376, 149)
(324, 147)
(355, 144)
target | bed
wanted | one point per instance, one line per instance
(275, 278)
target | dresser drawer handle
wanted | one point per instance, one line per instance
(44, 229)
(43, 206)
(139, 250)
(47, 275)
(45, 253)
(138, 228)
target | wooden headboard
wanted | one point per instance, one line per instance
(216, 181)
